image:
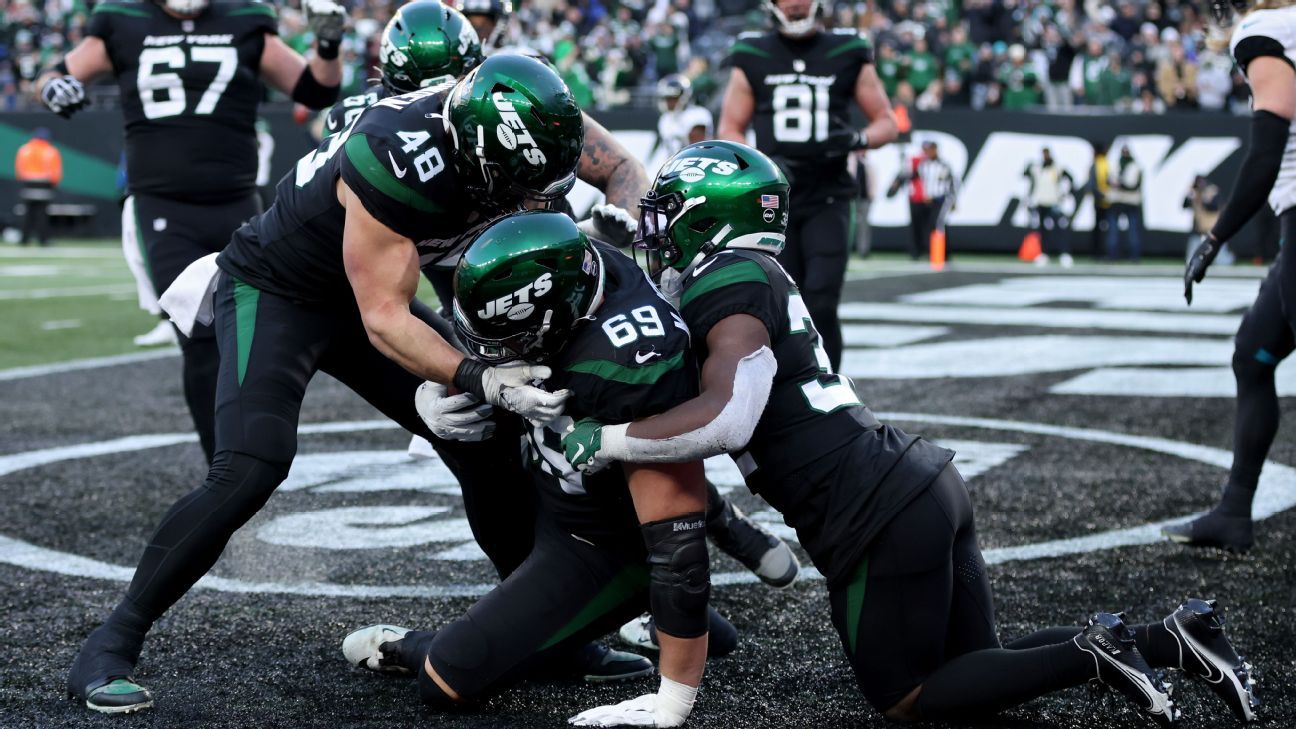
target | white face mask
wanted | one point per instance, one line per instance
(186, 7)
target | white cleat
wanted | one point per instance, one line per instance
(160, 335)
(364, 648)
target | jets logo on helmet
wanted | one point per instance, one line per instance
(513, 132)
(519, 304)
(711, 196)
(523, 285)
(426, 44)
(517, 129)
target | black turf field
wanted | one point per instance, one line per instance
(240, 659)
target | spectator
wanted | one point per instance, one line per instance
(1060, 54)
(920, 66)
(1214, 82)
(859, 168)
(1086, 71)
(960, 54)
(1115, 87)
(1020, 83)
(1049, 187)
(1177, 79)
(38, 166)
(888, 68)
(1126, 195)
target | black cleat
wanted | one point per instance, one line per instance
(1206, 653)
(1121, 667)
(763, 553)
(597, 663)
(1213, 529)
(101, 674)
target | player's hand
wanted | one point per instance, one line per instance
(581, 444)
(635, 712)
(845, 140)
(511, 387)
(612, 224)
(1201, 260)
(63, 95)
(462, 417)
(326, 20)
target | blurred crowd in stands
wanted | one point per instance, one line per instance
(1142, 57)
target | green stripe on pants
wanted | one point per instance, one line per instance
(629, 581)
(245, 311)
(855, 602)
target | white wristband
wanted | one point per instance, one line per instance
(674, 702)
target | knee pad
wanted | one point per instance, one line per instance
(680, 575)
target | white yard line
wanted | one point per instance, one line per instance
(65, 293)
(22, 373)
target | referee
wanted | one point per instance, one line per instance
(933, 188)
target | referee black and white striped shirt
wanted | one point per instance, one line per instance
(937, 179)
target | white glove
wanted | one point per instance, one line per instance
(63, 95)
(462, 417)
(326, 20)
(669, 707)
(611, 224)
(509, 386)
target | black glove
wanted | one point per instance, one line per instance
(845, 140)
(63, 95)
(1201, 259)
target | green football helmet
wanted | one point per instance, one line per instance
(518, 131)
(711, 196)
(426, 43)
(523, 285)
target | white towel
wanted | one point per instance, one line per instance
(189, 298)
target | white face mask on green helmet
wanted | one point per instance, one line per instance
(711, 196)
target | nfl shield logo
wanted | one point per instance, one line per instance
(769, 201)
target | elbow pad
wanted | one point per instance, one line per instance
(729, 431)
(312, 93)
(1257, 174)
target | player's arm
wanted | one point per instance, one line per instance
(737, 108)
(871, 98)
(382, 267)
(606, 164)
(314, 83)
(1273, 100)
(61, 88)
(735, 386)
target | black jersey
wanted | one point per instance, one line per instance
(803, 89)
(396, 158)
(632, 361)
(813, 421)
(344, 112)
(189, 92)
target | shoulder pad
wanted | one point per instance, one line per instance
(1264, 33)
(724, 269)
(129, 8)
(248, 7)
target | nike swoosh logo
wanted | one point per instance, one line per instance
(400, 173)
(641, 357)
(702, 267)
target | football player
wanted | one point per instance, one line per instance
(794, 86)
(1264, 47)
(681, 123)
(490, 18)
(884, 515)
(190, 74)
(424, 44)
(324, 280)
(534, 288)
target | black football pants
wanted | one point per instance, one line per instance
(270, 348)
(171, 235)
(818, 246)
